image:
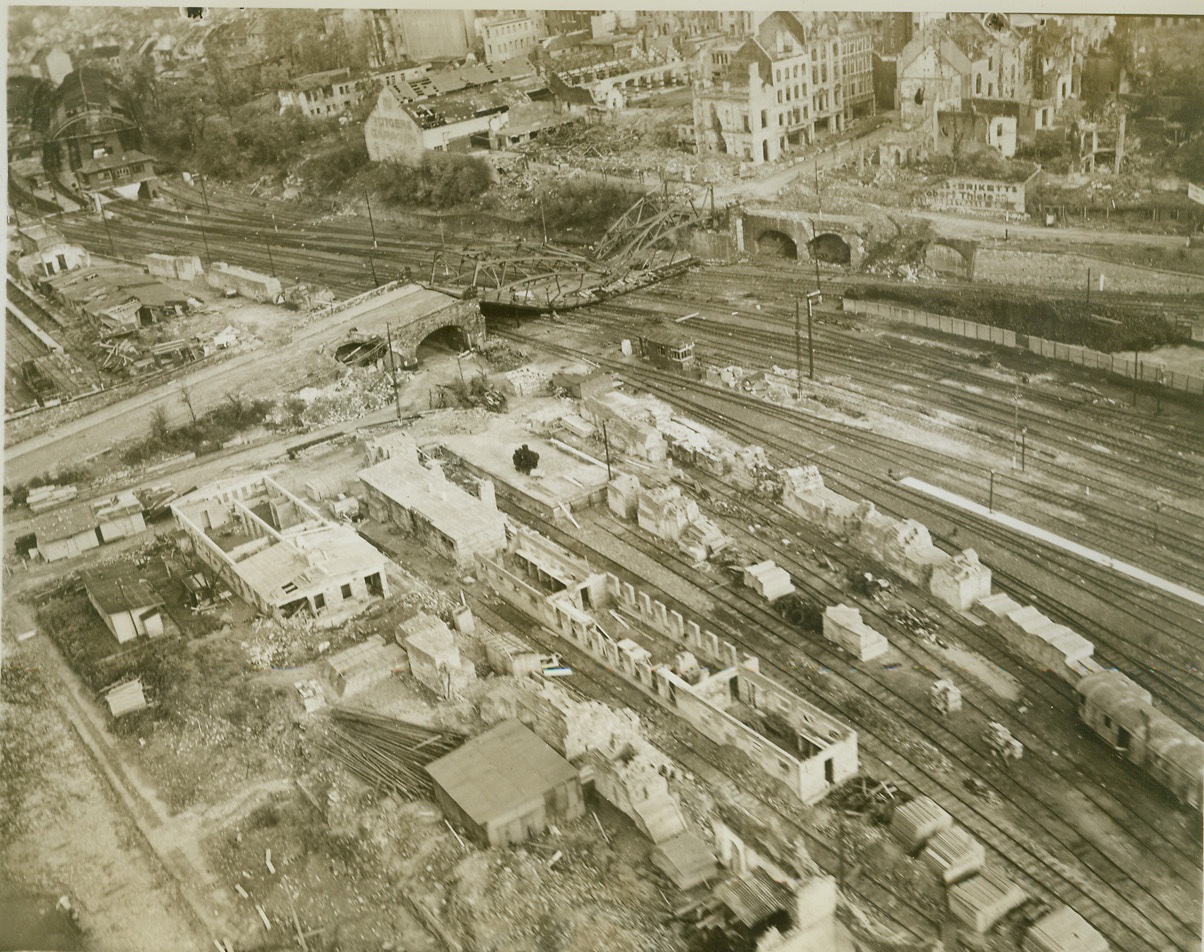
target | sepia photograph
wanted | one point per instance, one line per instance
(661, 479)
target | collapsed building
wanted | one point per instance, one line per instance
(277, 553)
(787, 738)
(903, 546)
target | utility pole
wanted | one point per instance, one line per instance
(606, 444)
(372, 264)
(1023, 434)
(1015, 423)
(991, 496)
(371, 221)
(1136, 374)
(798, 352)
(205, 239)
(818, 196)
(1088, 293)
(204, 193)
(812, 299)
(108, 234)
(271, 261)
(393, 368)
(544, 220)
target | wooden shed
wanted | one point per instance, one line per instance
(506, 785)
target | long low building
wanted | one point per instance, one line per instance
(422, 501)
(276, 552)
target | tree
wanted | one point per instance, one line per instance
(525, 459)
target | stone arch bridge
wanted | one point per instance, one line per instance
(410, 314)
(801, 236)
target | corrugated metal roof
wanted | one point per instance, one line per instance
(500, 772)
(753, 898)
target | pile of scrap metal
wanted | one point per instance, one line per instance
(385, 752)
(864, 796)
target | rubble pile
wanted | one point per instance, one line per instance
(503, 355)
(276, 644)
(356, 392)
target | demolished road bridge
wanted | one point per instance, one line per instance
(640, 248)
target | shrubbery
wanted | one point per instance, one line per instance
(204, 434)
(438, 180)
(589, 207)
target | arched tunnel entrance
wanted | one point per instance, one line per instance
(448, 339)
(830, 249)
(777, 244)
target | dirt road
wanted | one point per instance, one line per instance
(260, 373)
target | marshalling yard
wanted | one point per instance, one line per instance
(693, 589)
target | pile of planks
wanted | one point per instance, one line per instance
(387, 753)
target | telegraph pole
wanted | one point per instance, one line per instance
(812, 299)
(371, 221)
(108, 234)
(798, 353)
(372, 264)
(543, 219)
(271, 261)
(393, 368)
(991, 496)
(1088, 293)
(1023, 434)
(205, 239)
(606, 444)
(204, 193)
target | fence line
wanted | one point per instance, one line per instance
(1120, 365)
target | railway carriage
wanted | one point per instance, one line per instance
(1121, 713)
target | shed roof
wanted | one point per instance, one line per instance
(65, 523)
(118, 589)
(500, 772)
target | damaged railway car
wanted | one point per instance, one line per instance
(1121, 713)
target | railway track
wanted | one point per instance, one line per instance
(1177, 530)
(1068, 867)
(893, 907)
(1179, 688)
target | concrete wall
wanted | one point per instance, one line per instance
(257, 287)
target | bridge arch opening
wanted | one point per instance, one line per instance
(778, 244)
(448, 339)
(830, 249)
(946, 259)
